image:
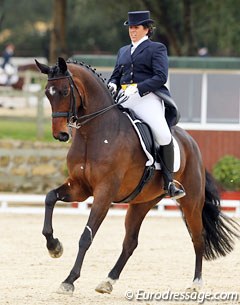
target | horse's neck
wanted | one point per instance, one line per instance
(95, 135)
(97, 96)
(103, 125)
(96, 99)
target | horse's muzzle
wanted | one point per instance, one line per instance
(63, 136)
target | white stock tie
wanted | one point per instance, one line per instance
(132, 49)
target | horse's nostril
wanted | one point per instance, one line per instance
(63, 136)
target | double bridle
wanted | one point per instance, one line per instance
(72, 118)
(71, 115)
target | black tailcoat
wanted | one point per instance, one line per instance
(147, 66)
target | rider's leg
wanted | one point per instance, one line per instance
(166, 154)
(151, 110)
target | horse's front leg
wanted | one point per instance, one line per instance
(98, 212)
(54, 246)
(66, 192)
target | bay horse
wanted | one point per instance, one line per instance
(106, 161)
(18, 85)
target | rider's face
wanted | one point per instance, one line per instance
(137, 32)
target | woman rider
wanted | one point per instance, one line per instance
(141, 69)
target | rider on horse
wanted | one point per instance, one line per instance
(7, 54)
(8, 73)
(141, 69)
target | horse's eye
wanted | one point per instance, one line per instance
(65, 91)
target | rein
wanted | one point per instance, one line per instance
(73, 120)
(88, 117)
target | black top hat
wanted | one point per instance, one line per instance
(138, 18)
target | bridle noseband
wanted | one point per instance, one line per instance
(72, 118)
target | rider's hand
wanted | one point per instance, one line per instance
(124, 96)
(113, 88)
(131, 90)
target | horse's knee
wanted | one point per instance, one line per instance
(86, 239)
(51, 198)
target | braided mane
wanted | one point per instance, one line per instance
(89, 67)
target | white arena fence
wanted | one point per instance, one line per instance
(34, 204)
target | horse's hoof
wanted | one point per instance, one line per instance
(66, 288)
(104, 287)
(196, 286)
(57, 252)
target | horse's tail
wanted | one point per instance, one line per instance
(220, 230)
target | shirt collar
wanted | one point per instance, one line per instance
(136, 44)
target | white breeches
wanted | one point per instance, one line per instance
(151, 110)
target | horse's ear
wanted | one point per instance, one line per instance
(62, 64)
(43, 68)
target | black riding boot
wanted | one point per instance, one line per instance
(167, 159)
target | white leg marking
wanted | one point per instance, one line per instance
(196, 285)
(90, 230)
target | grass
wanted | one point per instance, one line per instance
(16, 128)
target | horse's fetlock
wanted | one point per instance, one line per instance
(74, 275)
(52, 243)
(47, 233)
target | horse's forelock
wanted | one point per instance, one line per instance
(55, 72)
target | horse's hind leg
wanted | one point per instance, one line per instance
(134, 217)
(192, 212)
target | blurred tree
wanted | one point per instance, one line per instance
(92, 26)
(1, 13)
(20, 26)
(58, 31)
(217, 26)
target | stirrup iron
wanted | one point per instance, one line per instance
(174, 192)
